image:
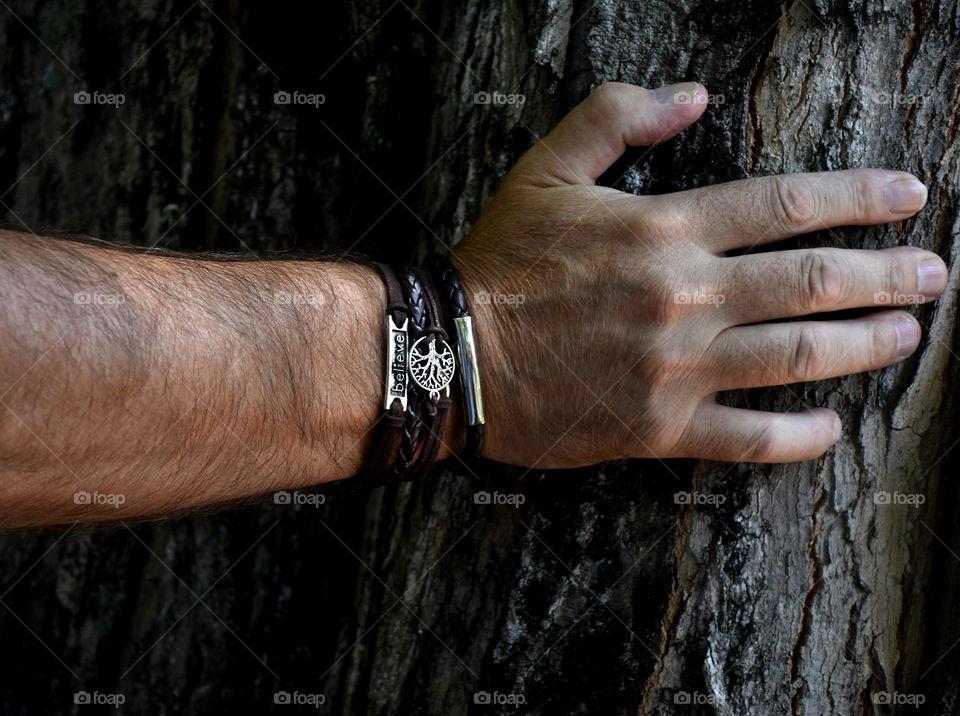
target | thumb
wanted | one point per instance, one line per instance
(598, 130)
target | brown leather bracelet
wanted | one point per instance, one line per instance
(437, 412)
(455, 306)
(387, 443)
(417, 308)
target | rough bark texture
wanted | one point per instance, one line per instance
(798, 594)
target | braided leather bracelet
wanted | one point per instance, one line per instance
(417, 307)
(460, 324)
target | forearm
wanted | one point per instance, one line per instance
(176, 382)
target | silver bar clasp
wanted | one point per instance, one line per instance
(469, 374)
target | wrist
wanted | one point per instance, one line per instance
(347, 348)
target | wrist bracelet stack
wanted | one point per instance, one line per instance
(421, 323)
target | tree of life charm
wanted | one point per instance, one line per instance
(431, 364)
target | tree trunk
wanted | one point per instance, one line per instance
(782, 589)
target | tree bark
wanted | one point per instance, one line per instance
(782, 589)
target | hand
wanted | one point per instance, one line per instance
(607, 322)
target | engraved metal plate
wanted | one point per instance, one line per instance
(431, 363)
(396, 364)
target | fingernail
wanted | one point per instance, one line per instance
(683, 93)
(837, 427)
(931, 277)
(905, 196)
(908, 335)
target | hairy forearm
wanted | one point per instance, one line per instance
(175, 381)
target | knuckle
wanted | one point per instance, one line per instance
(662, 221)
(660, 365)
(861, 199)
(793, 202)
(899, 277)
(668, 311)
(809, 359)
(611, 96)
(822, 282)
(882, 344)
(764, 443)
(663, 303)
(670, 300)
